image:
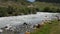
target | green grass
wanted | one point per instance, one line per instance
(53, 28)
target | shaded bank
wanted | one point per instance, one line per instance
(15, 11)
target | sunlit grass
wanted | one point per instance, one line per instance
(52, 27)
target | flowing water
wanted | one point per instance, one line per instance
(30, 19)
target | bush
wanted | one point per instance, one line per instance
(46, 9)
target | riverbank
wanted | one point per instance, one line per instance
(52, 27)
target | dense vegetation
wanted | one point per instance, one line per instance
(23, 7)
(51, 1)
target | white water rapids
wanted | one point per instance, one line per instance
(32, 18)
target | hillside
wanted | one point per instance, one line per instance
(42, 5)
(24, 7)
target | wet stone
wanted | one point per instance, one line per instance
(20, 29)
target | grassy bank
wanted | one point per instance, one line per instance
(52, 27)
